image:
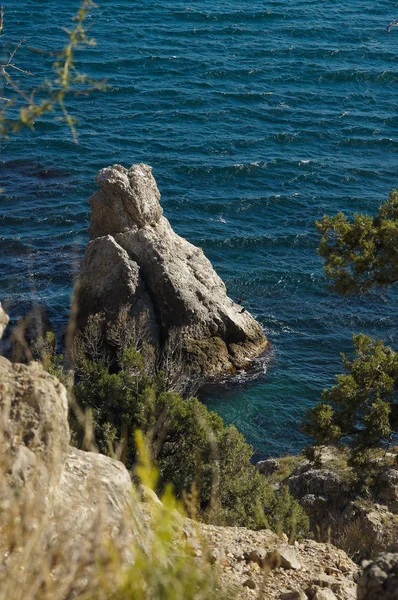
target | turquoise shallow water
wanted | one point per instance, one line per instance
(257, 118)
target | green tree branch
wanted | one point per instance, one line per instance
(66, 81)
(362, 253)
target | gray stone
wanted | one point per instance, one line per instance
(92, 485)
(316, 482)
(268, 466)
(324, 594)
(75, 488)
(128, 198)
(285, 557)
(249, 583)
(110, 281)
(294, 595)
(34, 426)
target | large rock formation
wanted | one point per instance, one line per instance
(136, 260)
(33, 427)
(60, 508)
(54, 499)
(37, 461)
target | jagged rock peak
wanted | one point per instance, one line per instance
(128, 199)
(135, 260)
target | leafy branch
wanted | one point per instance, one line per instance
(66, 80)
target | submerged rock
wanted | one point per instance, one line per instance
(136, 260)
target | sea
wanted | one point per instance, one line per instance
(258, 118)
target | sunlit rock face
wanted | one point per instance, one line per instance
(134, 259)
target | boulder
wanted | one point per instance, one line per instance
(285, 557)
(386, 485)
(34, 431)
(380, 578)
(267, 466)
(60, 507)
(362, 526)
(134, 259)
(316, 482)
(90, 485)
(323, 495)
(73, 488)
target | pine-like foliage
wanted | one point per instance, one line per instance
(362, 406)
(361, 253)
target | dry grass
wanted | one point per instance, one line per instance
(43, 557)
(361, 543)
(287, 464)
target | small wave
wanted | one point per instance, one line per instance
(345, 75)
(284, 137)
(223, 170)
(192, 15)
(368, 142)
(256, 372)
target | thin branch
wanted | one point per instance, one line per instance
(66, 80)
(21, 70)
(14, 51)
(13, 85)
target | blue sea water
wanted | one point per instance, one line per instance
(257, 117)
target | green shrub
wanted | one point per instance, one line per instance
(191, 447)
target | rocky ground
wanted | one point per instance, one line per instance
(359, 516)
(261, 564)
(80, 492)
